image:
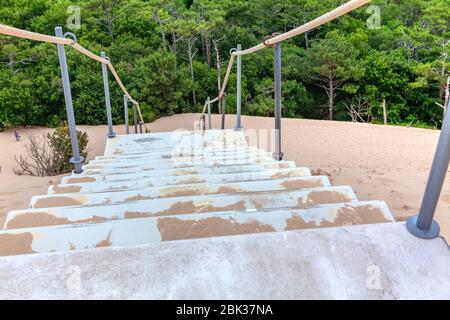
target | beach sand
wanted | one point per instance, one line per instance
(380, 162)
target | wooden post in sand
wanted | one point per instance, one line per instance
(384, 111)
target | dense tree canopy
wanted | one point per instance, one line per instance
(172, 55)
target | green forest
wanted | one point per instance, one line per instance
(173, 54)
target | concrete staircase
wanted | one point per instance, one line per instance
(158, 187)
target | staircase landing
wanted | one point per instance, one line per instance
(331, 263)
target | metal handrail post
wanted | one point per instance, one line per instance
(238, 88)
(209, 113)
(135, 119)
(224, 105)
(278, 155)
(125, 111)
(423, 225)
(77, 159)
(111, 133)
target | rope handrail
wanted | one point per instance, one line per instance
(227, 75)
(125, 91)
(24, 34)
(19, 33)
(327, 17)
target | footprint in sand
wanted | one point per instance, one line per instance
(386, 181)
(446, 198)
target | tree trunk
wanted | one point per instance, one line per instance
(447, 95)
(11, 62)
(163, 34)
(208, 51)
(216, 49)
(191, 66)
(109, 20)
(306, 40)
(442, 76)
(384, 112)
(331, 97)
(174, 43)
(306, 35)
(202, 38)
(110, 28)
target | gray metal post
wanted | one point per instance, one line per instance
(278, 155)
(423, 225)
(77, 159)
(224, 106)
(238, 88)
(140, 127)
(125, 111)
(135, 119)
(111, 133)
(209, 113)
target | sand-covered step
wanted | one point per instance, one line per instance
(153, 142)
(93, 168)
(103, 186)
(185, 161)
(181, 148)
(191, 157)
(76, 199)
(133, 174)
(189, 166)
(167, 156)
(178, 206)
(177, 148)
(168, 228)
(162, 139)
(178, 135)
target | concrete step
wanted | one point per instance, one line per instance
(211, 135)
(181, 147)
(76, 199)
(104, 186)
(176, 151)
(178, 206)
(132, 166)
(155, 139)
(363, 262)
(125, 144)
(156, 229)
(152, 158)
(181, 150)
(132, 174)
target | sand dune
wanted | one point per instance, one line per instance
(380, 162)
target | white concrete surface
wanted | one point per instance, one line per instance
(380, 261)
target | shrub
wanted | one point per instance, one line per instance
(50, 155)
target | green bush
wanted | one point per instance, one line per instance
(50, 155)
(61, 145)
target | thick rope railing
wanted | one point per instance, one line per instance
(332, 15)
(19, 33)
(125, 91)
(272, 40)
